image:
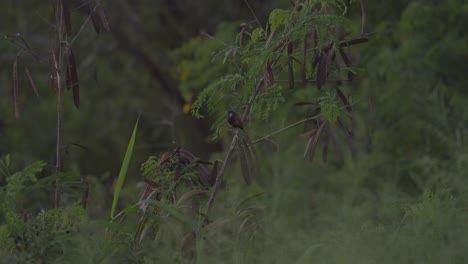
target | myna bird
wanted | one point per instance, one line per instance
(235, 120)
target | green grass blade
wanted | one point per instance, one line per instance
(123, 169)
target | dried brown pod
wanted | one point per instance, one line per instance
(269, 70)
(73, 78)
(251, 154)
(312, 142)
(164, 157)
(304, 103)
(304, 61)
(241, 34)
(322, 69)
(290, 65)
(347, 62)
(363, 16)
(244, 164)
(68, 81)
(53, 70)
(353, 42)
(99, 8)
(85, 192)
(67, 16)
(98, 16)
(343, 98)
(268, 77)
(96, 21)
(315, 57)
(15, 87)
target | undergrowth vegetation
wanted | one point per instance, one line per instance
(349, 146)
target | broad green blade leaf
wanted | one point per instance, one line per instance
(123, 169)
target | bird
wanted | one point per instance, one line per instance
(235, 120)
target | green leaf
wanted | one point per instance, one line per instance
(123, 169)
(279, 17)
(330, 111)
(258, 34)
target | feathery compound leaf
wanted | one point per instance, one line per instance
(31, 81)
(15, 87)
(123, 169)
(278, 17)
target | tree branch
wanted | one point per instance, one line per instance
(220, 175)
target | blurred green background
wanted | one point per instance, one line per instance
(402, 199)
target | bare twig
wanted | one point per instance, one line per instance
(290, 126)
(81, 29)
(253, 13)
(222, 42)
(29, 50)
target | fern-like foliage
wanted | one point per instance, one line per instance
(306, 41)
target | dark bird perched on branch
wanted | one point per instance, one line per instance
(235, 120)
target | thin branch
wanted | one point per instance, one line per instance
(312, 81)
(58, 161)
(253, 13)
(30, 51)
(220, 176)
(293, 125)
(222, 42)
(286, 128)
(81, 29)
